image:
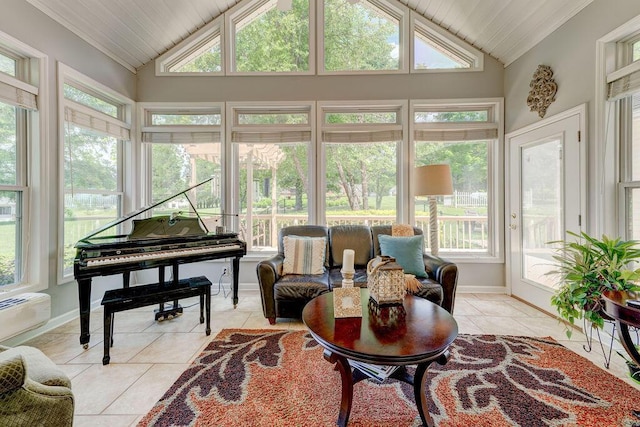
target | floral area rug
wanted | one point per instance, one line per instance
(280, 378)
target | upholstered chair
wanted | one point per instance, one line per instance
(33, 390)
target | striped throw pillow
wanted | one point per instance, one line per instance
(303, 255)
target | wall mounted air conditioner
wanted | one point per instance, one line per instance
(23, 312)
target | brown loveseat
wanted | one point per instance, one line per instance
(286, 295)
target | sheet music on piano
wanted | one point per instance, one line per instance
(158, 241)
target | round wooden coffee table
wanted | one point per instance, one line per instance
(417, 333)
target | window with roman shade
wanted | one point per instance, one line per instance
(182, 147)
(465, 137)
(361, 146)
(95, 125)
(271, 150)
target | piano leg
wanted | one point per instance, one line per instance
(236, 271)
(84, 303)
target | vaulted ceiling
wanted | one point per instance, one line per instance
(135, 32)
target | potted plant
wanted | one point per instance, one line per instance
(588, 266)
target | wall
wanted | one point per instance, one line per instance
(27, 24)
(321, 88)
(570, 51)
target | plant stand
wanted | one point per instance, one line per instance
(590, 327)
(606, 353)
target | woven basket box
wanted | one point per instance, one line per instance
(385, 280)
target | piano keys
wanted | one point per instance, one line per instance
(155, 242)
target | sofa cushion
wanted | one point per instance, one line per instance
(406, 250)
(431, 290)
(301, 287)
(353, 236)
(303, 255)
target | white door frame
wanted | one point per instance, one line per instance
(581, 112)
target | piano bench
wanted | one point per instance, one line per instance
(121, 299)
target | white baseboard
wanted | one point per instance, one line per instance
(481, 290)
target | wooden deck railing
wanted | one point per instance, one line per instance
(458, 233)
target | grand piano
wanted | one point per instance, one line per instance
(154, 242)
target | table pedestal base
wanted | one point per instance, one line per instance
(418, 380)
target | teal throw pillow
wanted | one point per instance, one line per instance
(406, 250)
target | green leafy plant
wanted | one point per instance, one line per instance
(588, 266)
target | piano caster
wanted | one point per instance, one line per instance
(85, 346)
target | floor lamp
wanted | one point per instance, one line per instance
(432, 181)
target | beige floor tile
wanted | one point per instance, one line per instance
(543, 327)
(497, 307)
(73, 370)
(466, 325)
(104, 420)
(502, 326)
(172, 348)
(59, 347)
(527, 309)
(97, 387)
(463, 308)
(125, 347)
(144, 393)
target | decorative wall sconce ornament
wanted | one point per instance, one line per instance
(543, 90)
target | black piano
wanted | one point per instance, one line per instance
(158, 241)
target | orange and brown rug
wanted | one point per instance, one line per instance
(279, 378)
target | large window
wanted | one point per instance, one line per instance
(18, 106)
(360, 146)
(464, 137)
(272, 153)
(95, 122)
(183, 148)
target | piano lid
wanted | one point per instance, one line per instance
(192, 229)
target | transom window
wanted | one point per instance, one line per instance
(268, 38)
(362, 36)
(435, 49)
(353, 36)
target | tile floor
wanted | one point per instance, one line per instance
(148, 356)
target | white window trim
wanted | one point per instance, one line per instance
(447, 40)
(126, 185)
(229, 47)
(190, 43)
(396, 9)
(36, 196)
(495, 184)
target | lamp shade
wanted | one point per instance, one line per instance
(433, 180)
